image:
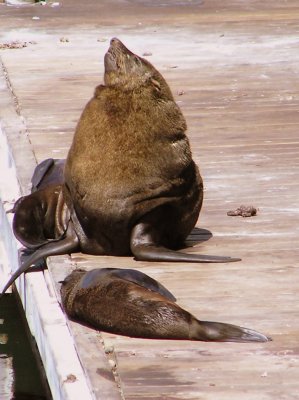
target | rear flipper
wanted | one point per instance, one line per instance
(95, 276)
(220, 332)
(48, 172)
(64, 246)
(145, 281)
(144, 248)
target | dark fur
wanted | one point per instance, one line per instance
(129, 174)
(130, 303)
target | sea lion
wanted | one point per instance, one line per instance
(130, 185)
(42, 216)
(42, 220)
(130, 303)
(129, 175)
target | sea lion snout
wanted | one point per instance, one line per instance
(109, 62)
(121, 62)
(114, 58)
(114, 41)
(117, 47)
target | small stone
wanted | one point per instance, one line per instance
(243, 211)
(109, 349)
(35, 18)
(147, 54)
(112, 363)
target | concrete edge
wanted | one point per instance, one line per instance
(46, 320)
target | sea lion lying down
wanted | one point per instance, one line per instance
(130, 303)
(129, 185)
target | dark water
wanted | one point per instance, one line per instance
(21, 376)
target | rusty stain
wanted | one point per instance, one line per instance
(70, 379)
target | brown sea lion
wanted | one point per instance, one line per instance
(128, 302)
(42, 220)
(42, 216)
(129, 175)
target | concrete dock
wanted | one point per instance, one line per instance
(233, 67)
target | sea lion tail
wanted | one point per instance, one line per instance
(64, 246)
(221, 332)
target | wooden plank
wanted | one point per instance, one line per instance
(237, 65)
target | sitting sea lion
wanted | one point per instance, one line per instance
(130, 186)
(130, 179)
(128, 302)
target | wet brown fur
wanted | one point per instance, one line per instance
(130, 156)
(118, 305)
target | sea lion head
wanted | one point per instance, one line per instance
(125, 69)
(69, 288)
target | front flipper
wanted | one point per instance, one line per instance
(145, 248)
(93, 277)
(144, 280)
(40, 171)
(65, 246)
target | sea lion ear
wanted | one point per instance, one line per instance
(156, 84)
